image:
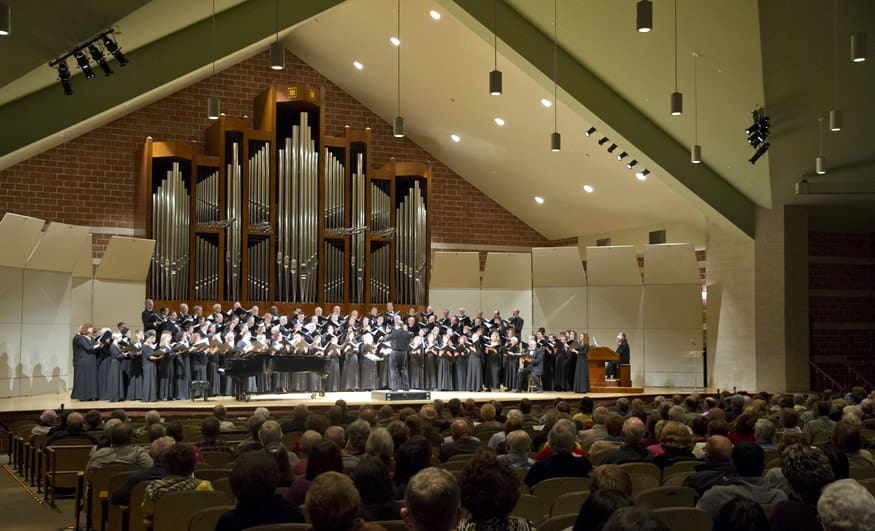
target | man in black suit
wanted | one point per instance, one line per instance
(150, 318)
(516, 322)
(533, 366)
(399, 339)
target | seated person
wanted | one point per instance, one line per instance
(749, 460)
(180, 462)
(461, 442)
(490, 490)
(158, 450)
(210, 441)
(374, 486)
(121, 451)
(74, 428)
(563, 463)
(677, 444)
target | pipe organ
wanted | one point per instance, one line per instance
(277, 211)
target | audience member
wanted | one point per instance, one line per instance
(158, 450)
(487, 414)
(717, 467)
(563, 463)
(177, 431)
(379, 444)
(309, 439)
(634, 519)
(73, 429)
(433, 501)
(399, 432)
(820, 421)
(180, 461)
(513, 422)
(374, 486)
(518, 445)
(611, 442)
(337, 435)
(251, 442)
(846, 506)
(93, 422)
(334, 504)
(151, 418)
(749, 461)
(764, 432)
(356, 439)
(489, 490)
(611, 477)
(741, 514)
(677, 444)
(210, 442)
(299, 418)
(807, 471)
(121, 451)
(744, 429)
(325, 457)
(847, 438)
(631, 450)
(271, 437)
(598, 430)
(219, 414)
(410, 458)
(47, 421)
(598, 508)
(461, 442)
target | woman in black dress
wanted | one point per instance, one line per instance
(349, 375)
(474, 379)
(85, 386)
(367, 364)
(415, 364)
(103, 366)
(547, 363)
(613, 369)
(166, 364)
(460, 363)
(559, 363)
(511, 361)
(581, 371)
(134, 390)
(492, 352)
(114, 378)
(445, 364)
(429, 363)
(150, 368)
(332, 352)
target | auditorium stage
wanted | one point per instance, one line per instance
(38, 403)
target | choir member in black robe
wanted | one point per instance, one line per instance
(197, 357)
(115, 381)
(149, 317)
(349, 374)
(474, 374)
(314, 380)
(85, 386)
(560, 363)
(367, 365)
(511, 363)
(166, 365)
(228, 352)
(492, 352)
(547, 363)
(460, 364)
(182, 372)
(429, 363)
(581, 372)
(150, 368)
(570, 361)
(416, 363)
(332, 352)
(103, 367)
(134, 390)
(445, 364)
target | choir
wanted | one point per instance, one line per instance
(447, 353)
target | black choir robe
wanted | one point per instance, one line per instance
(85, 386)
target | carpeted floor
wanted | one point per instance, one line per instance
(21, 512)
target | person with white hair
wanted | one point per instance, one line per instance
(262, 412)
(845, 505)
(47, 421)
(562, 461)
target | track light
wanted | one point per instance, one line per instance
(112, 47)
(632, 163)
(602, 140)
(590, 131)
(642, 175)
(5, 19)
(611, 148)
(84, 65)
(645, 16)
(859, 51)
(759, 153)
(555, 141)
(398, 127)
(213, 108)
(97, 57)
(64, 76)
(622, 155)
(277, 56)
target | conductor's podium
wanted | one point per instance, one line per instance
(597, 357)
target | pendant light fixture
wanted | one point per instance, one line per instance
(645, 16)
(696, 150)
(820, 162)
(859, 48)
(677, 99)
(555, 137)
(495, 75)
(214, 106)
(398, 123)
(277, 50)
(835, 115)
(5, 19)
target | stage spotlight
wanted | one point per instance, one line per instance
(760, 152)
(632, 163)
(642, 175)
(64, 76)
(97, 57)
(611, 148)
(622, 155)
(602, 140)
(590, 131)
(84, 65)
(113, 48)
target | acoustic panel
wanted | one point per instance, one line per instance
(612, 266)
(671, 264)
(126, 259)
(508, 271)
(10, 350)
(46, 358)
(607, 337)
(80, 302)
(84, 267)
(557, 267)
(18, 236)
(673, 306)
(671, 350)
(559, 308)
(615, 306)
(59, 248)
(118, 300)
(505, 301)
(455, 271)
(453, 299)
(47, 297)
(10, 294)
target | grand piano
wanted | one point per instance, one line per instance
(597, 357)
(244, 367)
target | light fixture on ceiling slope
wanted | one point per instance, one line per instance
(820, 162)
(611, 148)
(395, 41)
(622, 155)
(5, 19)
(495, 75)
(835, 115)
(539, 200)
(644, 20)
(642, 175)
(555, 137)
(64, 77)
(112, 47)
(398, 122)
(97, 57)
(696, 150)
(677, 99)
(859, 47)
(84, 65)
(214, 106)
(590, 131)
(632, 163)
(277, 50)
(602, 140)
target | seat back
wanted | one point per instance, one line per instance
(174, 510)
(569, 503)
(212, 474)
(531, 508)
(206, 519)
(223, 484)
(557, 523)
(597, 453)
(640, 483)
(552, 488)
(869, 484)
(667, 497)
(217, 459)
(454, 465)
(685, 518)
(680, 466)
(642, 468)
(392, 525)
(65, 462)
(135, 511)
(820, 437)
(464, 458)
(99, 479)
(676, 480)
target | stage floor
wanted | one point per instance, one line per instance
(49, 401)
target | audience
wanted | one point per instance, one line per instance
(631, 450)
(271, 437)
(807, 471)
(717, 467)
(518, 445)
(490, 490)
(820, 421)
(741, 514)
(73, 429)
(374, 486)
(433, 501)
(677, 444)
(298, 421)
(562, 463)
(846, 506)
(325, 457)
(379, 444)
(47, 421)
(210, 442)
(598, 508)
(744, 429)
(461, 441)
(634, 519)
(149, 419)
(158, 450)
(333, 504)
(749, 461)
(597, 431)
(357, 438)
(180, 462)
(219, 414)
(251, 442)
(120, 452)
(410, 458)
(847, 438)
(611, 477)
(309, 439)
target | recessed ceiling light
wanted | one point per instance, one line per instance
(395, 41)
(642, 175)
(546, 103)
(587, 188)
(455, 138)
(499, 121)
(434, 14)
(357, 65)
(539, 200)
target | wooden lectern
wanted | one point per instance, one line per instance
(597, 357)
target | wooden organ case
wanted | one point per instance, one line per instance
(282, 213)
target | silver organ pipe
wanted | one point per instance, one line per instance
(233, 232)
(206, 286)
(259, 191)
(357, 240)
(257, 284)
(207, 199)
(334, 191)
(411, 247)
(171, 212)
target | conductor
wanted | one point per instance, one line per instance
(399, 339)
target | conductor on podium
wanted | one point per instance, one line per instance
(399, 339)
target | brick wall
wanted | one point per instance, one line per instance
(91, 180)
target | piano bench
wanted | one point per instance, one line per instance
(199, 386)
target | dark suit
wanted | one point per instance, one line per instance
(556, 466)
(535, 368)
(465, 445)
(400, 341)
(613, 368)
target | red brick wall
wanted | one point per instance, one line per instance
(91, 180)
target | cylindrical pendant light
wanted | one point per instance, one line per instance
(835, 115)
(859, 48)
(555, 137)
(214, 108)
(835, 120)
(5, 19)
(555, 141)
(277, 50)
(398, 127)
(398, 123)
(677, 103)
(820, 162)
(213, 104)
(696, 150)
(495, 74)
(645, 16)
(677, 99)
(696, 154)
(495, 83)
(820, 166)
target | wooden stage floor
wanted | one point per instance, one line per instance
(283, 401)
